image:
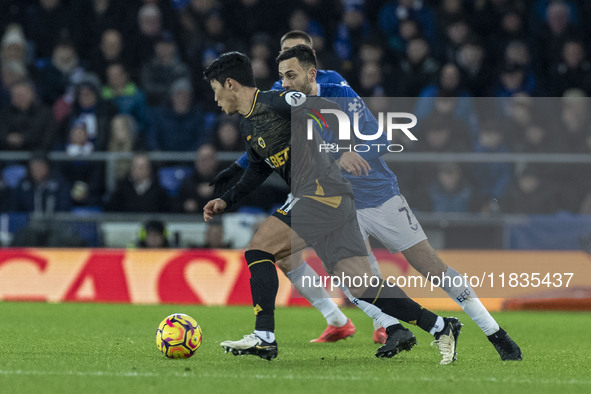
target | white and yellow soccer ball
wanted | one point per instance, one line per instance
(178, 336)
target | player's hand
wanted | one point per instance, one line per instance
(224, 179)
(213, 207)
(353, 163)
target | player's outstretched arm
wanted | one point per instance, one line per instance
(213, 207)
(227, 178)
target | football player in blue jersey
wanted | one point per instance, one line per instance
(381, 210)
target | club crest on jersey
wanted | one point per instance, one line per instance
(295, 99)
(262, 143)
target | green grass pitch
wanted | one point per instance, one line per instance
(98, 348)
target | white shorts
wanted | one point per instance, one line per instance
(392, 223)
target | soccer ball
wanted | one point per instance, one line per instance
(178, 336)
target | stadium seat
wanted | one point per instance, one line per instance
(171, 178)
(13, 174)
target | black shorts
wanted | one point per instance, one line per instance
(331, 230)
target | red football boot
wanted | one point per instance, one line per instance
(380, 336)
(333, 334)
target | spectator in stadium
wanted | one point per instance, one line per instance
(260, 53)
(511, 27)
(14, 45)
(449, 191)
(457, 33)
(529, 194)
(89, 107)
(491, 179)
(536, 138)
(204, 48)
(512, 80)
(449, 84)
(169, 19)
(395, 12)
(162, 70)
(5, 195)
(475, 66)
(127, 97)
(140, 190)
(153, 235)
(110, 50)
(575, 119)
(43, 191)
(520, 114)
(195, 190)
(447, 11)
(121, 140)
(26, 124)
(84, 176)
(262, 73)
(192, 20)
(93, 18)
(573, 71)
(227, 136)
(46, 23)
(518, 52)
(371, 53)
(11, 71)
(214, 236)
(327, 59)
(557, 27)
(147, 30)
(352, 31)
(418, 69)
(60, 74)
(442, 132)
(371, 81)
(179, 125)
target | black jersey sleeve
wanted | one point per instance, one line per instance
(256, 173)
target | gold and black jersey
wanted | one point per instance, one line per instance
(275, 131)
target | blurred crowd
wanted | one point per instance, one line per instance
(84, 76)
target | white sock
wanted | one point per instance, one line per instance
(439, 324)
(318, 296)
(374, 265)
(376, 325)
(379, 317)
(267, 336)
(465, 297)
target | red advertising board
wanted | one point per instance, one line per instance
(211, 277)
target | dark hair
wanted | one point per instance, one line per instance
(303, 53)
(233, 65)
(296, 34)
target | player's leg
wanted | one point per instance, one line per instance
(274, 239)
(376, 296)
(339, 326)
(379, 331)
(396, 227)
(425, 259)
(344, 253)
